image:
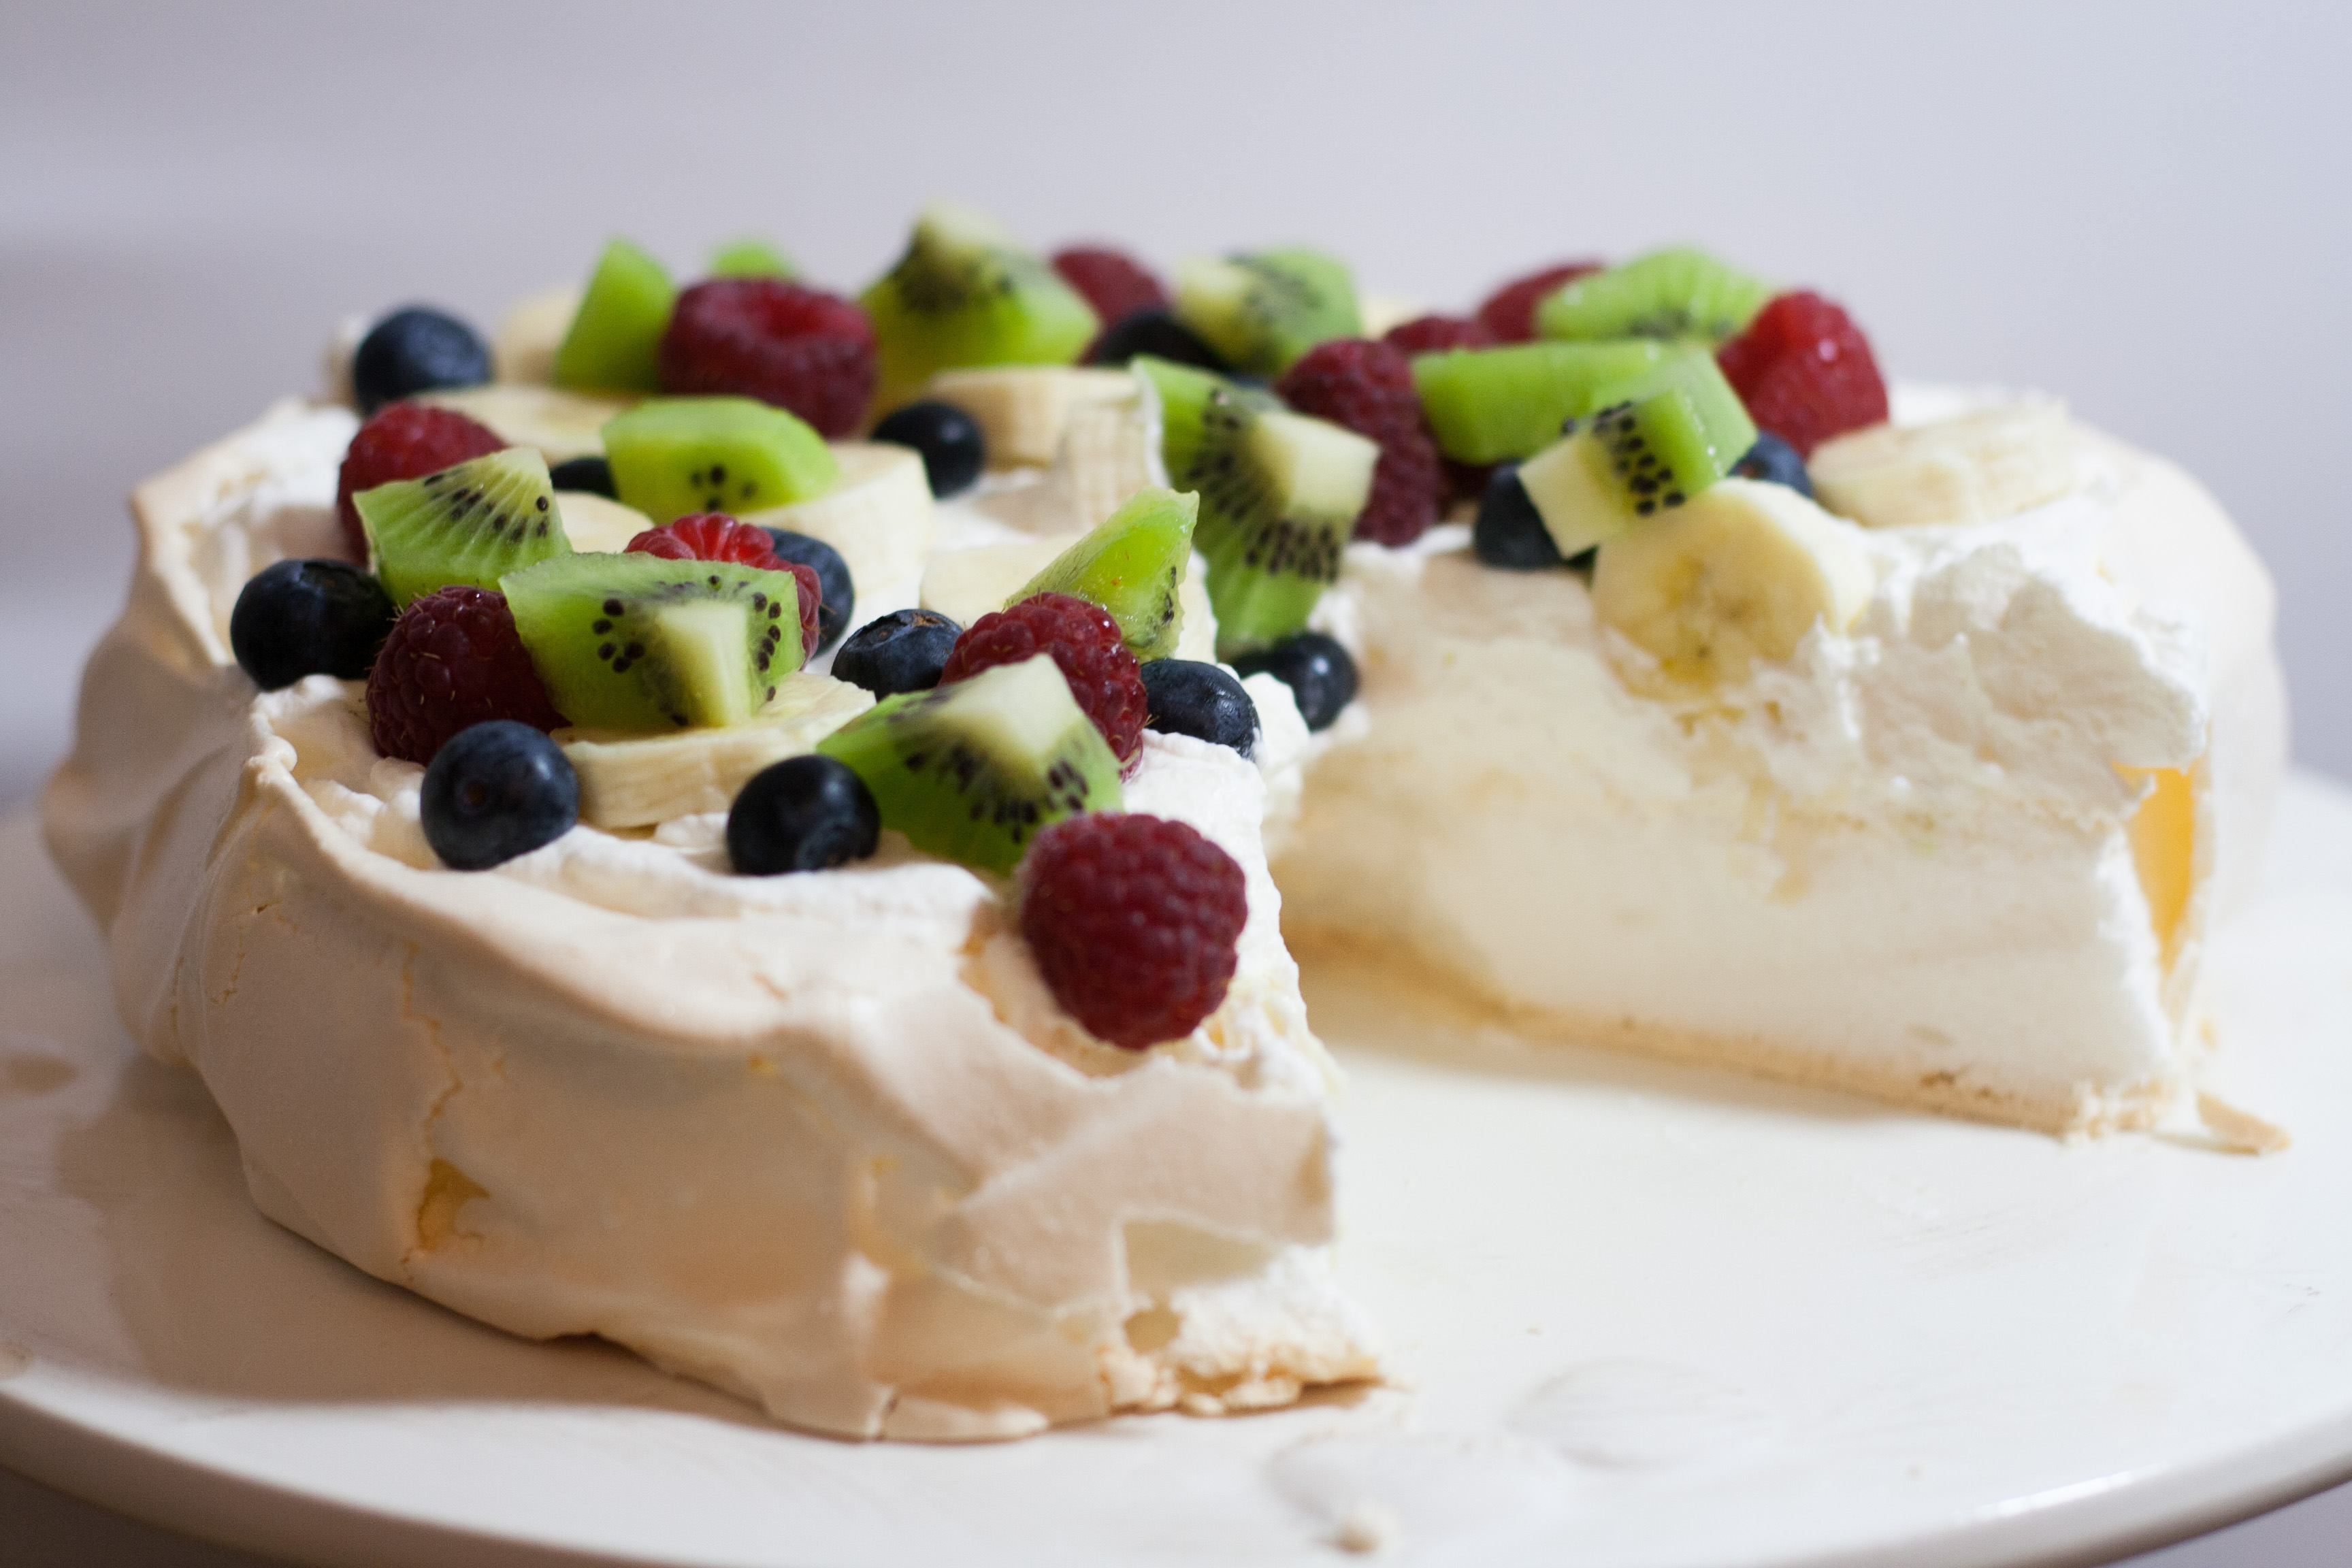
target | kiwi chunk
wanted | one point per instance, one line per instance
(974, 770)
(638, 643)
(469, 526)
(614, 343)
(673, 455)
(1498, 406)
(750, 256)
(967, 293)
(1132, 564)
(1660, 440)
(1280, 493)
(1263, 311)
(1682, 294)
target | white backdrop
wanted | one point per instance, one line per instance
(2140, 206)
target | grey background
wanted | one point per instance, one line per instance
(2140, 206)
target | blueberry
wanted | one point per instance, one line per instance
(1185, 696)
(1775, 460)
(902, 651)
(591, 474)
(1510, 532)
(495, 791)
(1321, 674)
(416, 350)
(309, 617)
(802, 814)
(1158, 334)
(954, 451)
(837, 594)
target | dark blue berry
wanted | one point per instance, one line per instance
(1185, 696)
(1321, 674)
(902, 651)
(1510, 532)
(497, 790)
(416, 350)
(802, 814)
(591, 474)
(1775, 460)
(309, 617)
(954, 451)
(837, 594)
(1158, 334)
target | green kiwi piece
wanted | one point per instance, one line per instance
(1280, 493)
(1260, 311)
(1132, 564)
(1682, 293)
(1498, 406)
(1660, 440)
(640, 643)
(750, 256)
(614, 343)
(673, 455)
(965, 292)
(465, 526)
(974, 770)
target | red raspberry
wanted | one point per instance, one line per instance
(1114, 283)
(404, 441)
(1085, 642)
(801, 349)
(1435, 335)
(454, 659)
(1135, 923)
(1368, 386)
(715, 536)
(1805, 371)
(1509, 312)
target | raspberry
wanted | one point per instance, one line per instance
(1509, 312)
(1114, 283)
(801, 349)
(404, 441)
(1805, 371)
(1435, 335)
(454, 659)
(715, 536)
(1368, 386)
(1135, 921)
(1085, 642)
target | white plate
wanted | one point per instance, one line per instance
(1650, 1316)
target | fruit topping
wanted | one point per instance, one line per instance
(1087, 646)
(614, 343)
(589, 476)
(499, 789)
(1805, 371)
(470, 524)
(644, 779)
(453, 660)
(966, 292)
(639, 643)
(1679, 294)
(413, 350)
(295, 618)
(750, 256)
(972, 771)
(1437, 334)
(1509, 532)
(1135, 923)
(1367, 386)
(1502, 405)
(802, 814)
(1260, 313)
(1509, 312)
(1978, 467)
(673, 455)
(949, 439)
(902, 651)
(1775, 460)
(715, 536)
(1321, 674)
(1662, 440)
(1158, 333)
(836, 593)
(1132, 566)
(406, 441)
(1114, 283)
(1186, 697)
(801, 349)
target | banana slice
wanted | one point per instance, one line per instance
(966, 584)
(1978, 467)
(594, 522)
(637, 781)
(523, 348)
(1107, 452)
(1379, 312)
(561, 424)
(1024, 410)
(1739, 572)
(879, 515)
